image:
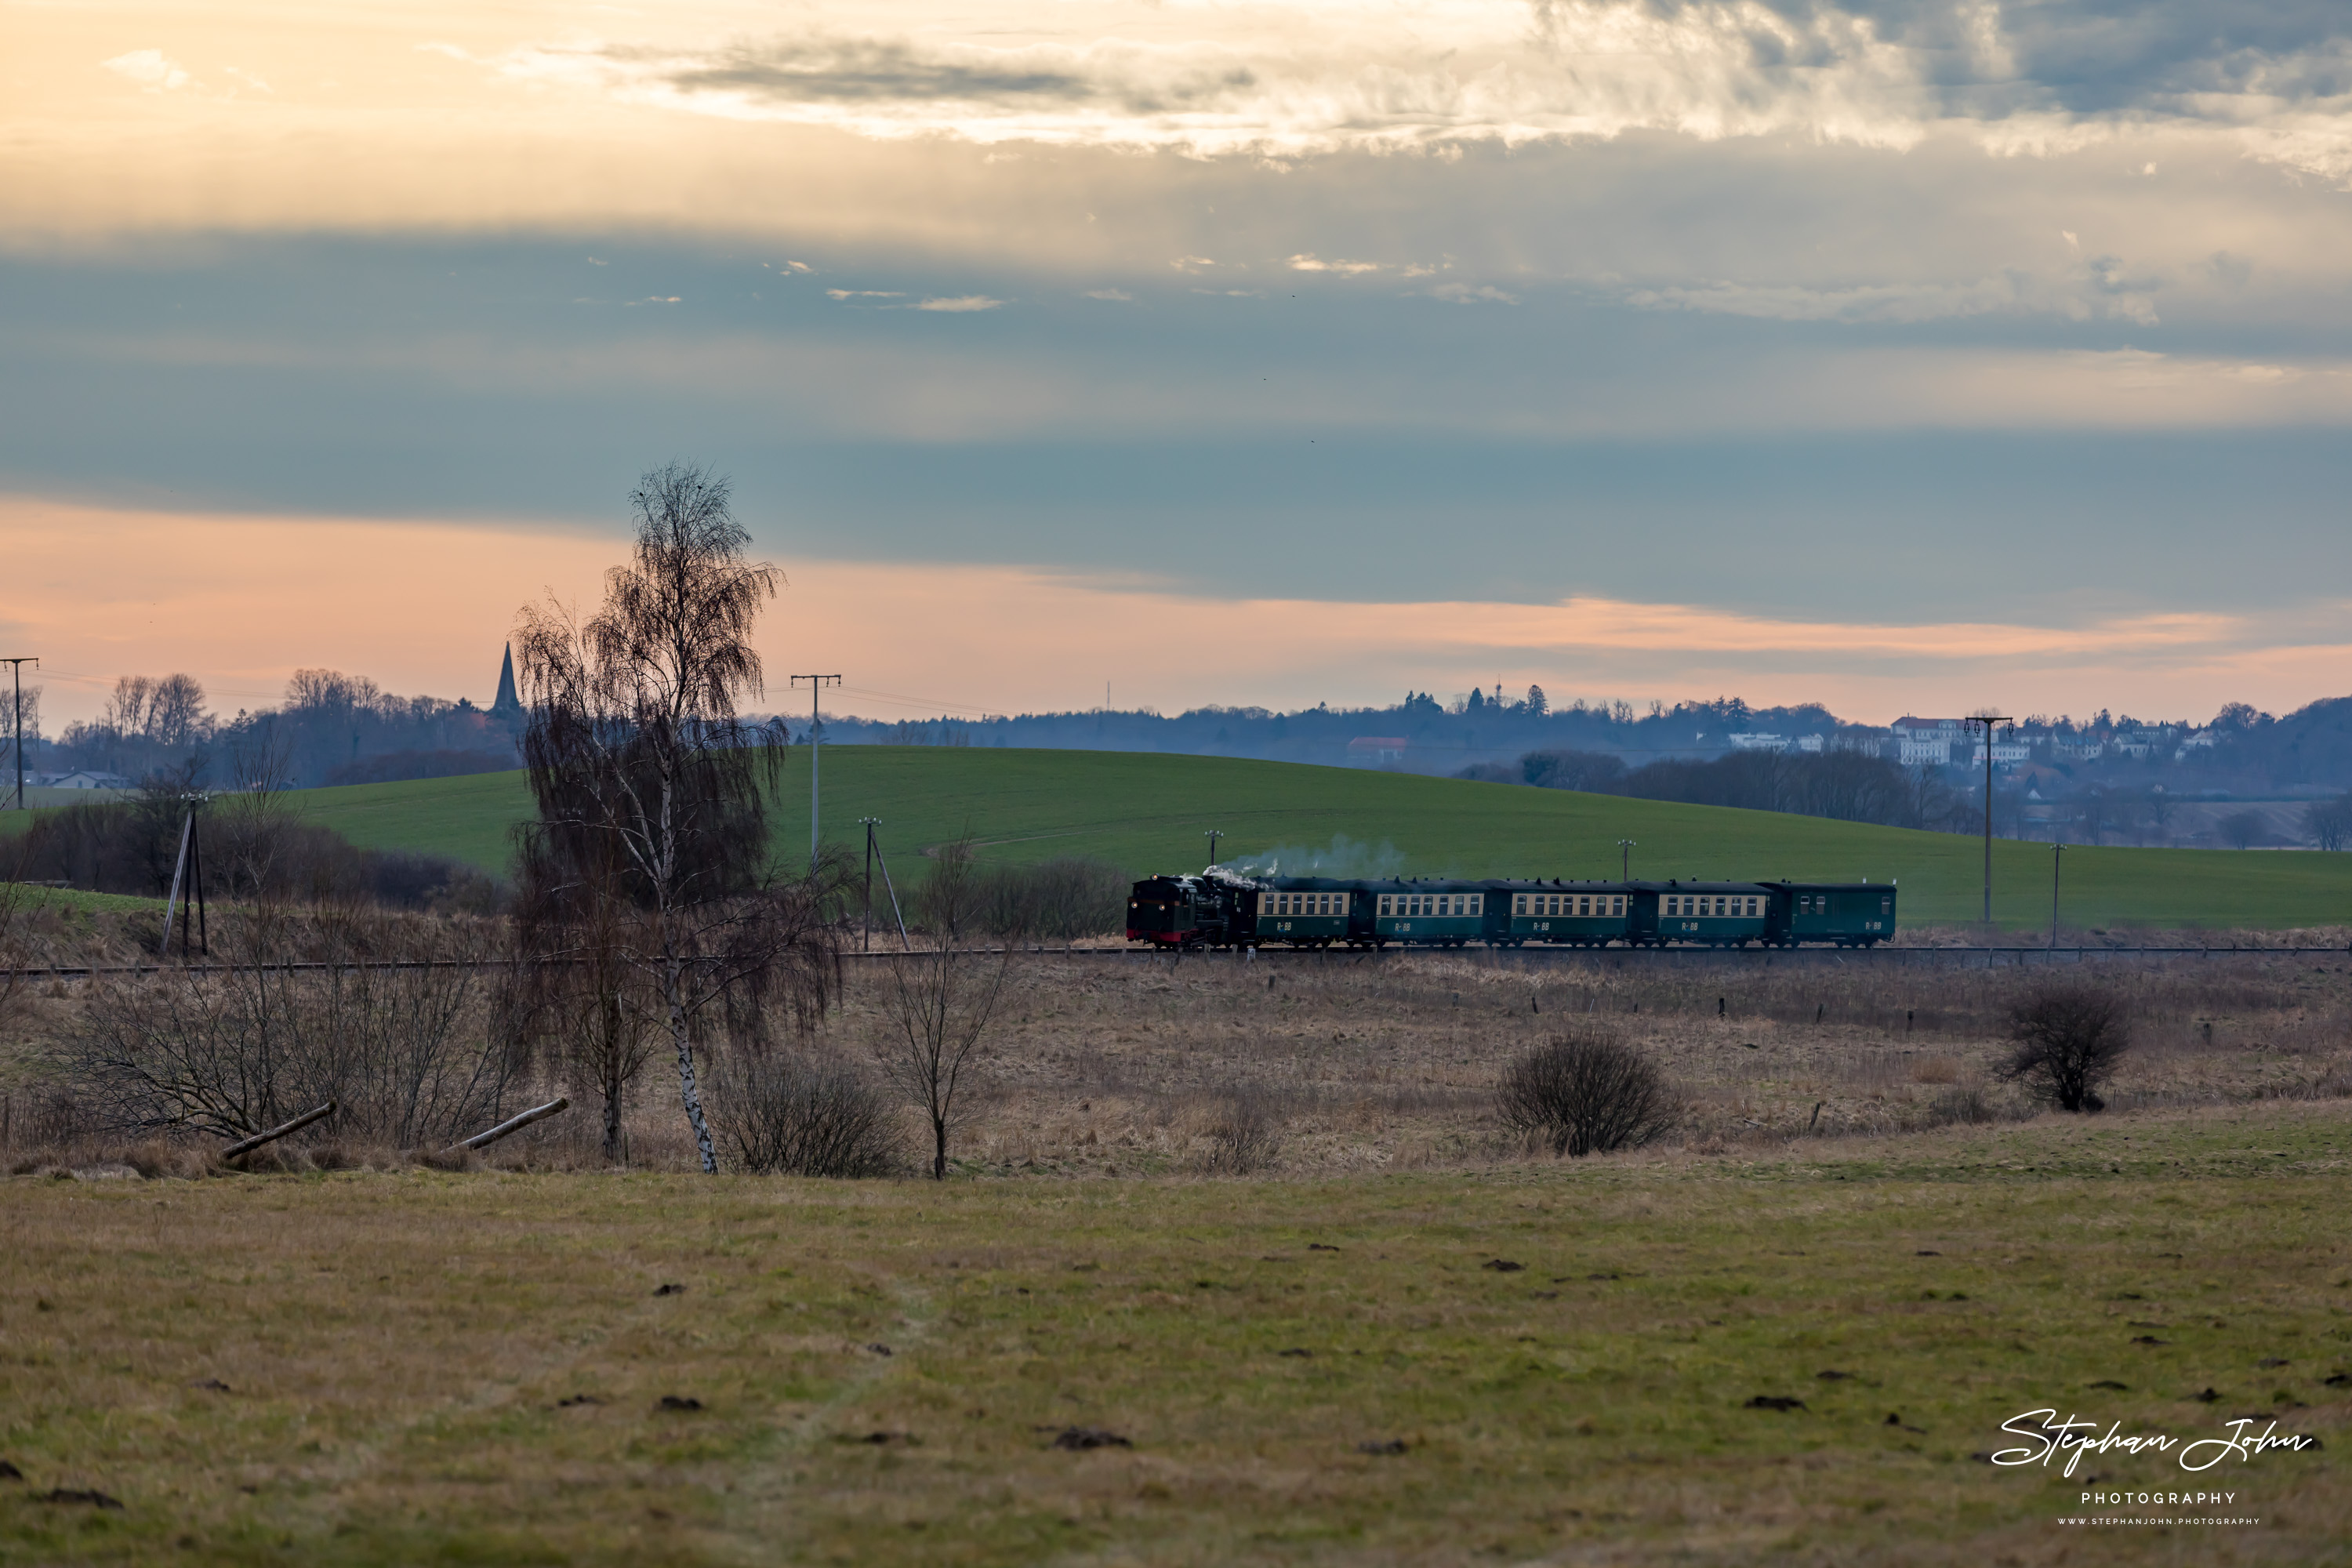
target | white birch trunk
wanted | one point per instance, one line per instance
(671, 990)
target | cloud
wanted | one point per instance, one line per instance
(864, 294)
(2102, 287)
(1120, 295)
(1274, 78)
(150, 69)
(1473, 294)
(1310, 263)
(961, 304)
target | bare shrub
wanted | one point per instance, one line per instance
(1965, 1105)
(1936, 1069)
(1062, 899)
(953, 900)
(792, 1115)
(1246, 1133)
(400, 1046)
(1585, 1093)
(2068, 1039)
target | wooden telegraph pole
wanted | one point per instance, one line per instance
(16, 668)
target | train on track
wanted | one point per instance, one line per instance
(1221, 908)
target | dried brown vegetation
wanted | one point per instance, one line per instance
(1132, 1064)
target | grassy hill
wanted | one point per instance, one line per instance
(1149, 813)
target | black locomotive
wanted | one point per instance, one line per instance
(1219, 909)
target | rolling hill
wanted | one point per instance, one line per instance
(1149, 813)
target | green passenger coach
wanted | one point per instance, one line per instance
(1708, 914)
(1582, 914)
(1306, 911)
(1446, 915)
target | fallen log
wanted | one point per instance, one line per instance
(514, 1124)
(275, 1134)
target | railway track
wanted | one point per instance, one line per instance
(1913, 957)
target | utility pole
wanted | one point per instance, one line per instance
(16, 668)
(1987, 718)
(1213, 835)
(816, 684)
(1624, 859)
(190, 867)
(866, 945)
(2057, 850)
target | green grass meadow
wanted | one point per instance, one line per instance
(1150, 813)
(1541, 1361)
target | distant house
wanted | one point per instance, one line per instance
(1374, 750)
(1757, 740)
(82, 778)
(1942, 743)
(1928, 743)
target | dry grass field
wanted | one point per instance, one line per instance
(1403, 1339)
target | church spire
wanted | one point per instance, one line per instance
(508, 705)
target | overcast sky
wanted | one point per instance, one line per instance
(1896, 356)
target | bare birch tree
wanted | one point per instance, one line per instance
(937, 1006)
(648, 784)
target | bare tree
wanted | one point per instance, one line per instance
(2243, 829)
(2328, 823)
(251, 823)
(176, 718)
(639, 761)
(1586, 1093)
(937, 1006)
(2068, 1039)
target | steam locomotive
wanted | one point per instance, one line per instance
(1221, 908)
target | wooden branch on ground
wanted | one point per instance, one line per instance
(275, 1134)
(516, 1124)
